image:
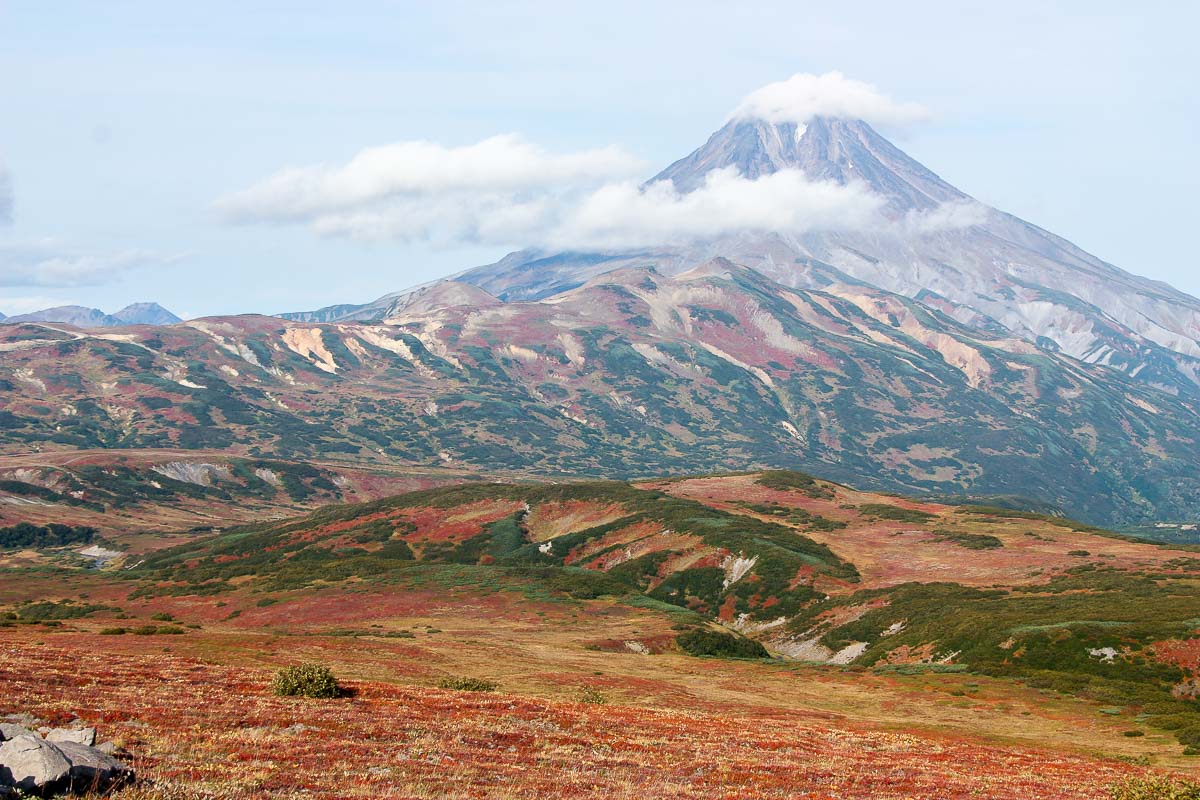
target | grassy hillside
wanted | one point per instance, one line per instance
(674, 550)
(811, 602)
(810, 569)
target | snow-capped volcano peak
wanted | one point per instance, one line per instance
(931, 242)
(823, 148)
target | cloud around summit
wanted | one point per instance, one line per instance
(506, 191)
(804, 96)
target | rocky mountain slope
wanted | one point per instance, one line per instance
(82, 317)
(632, 373)
(978, 265)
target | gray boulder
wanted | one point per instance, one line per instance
(25, 720)
(34, 766)
(11, 730)
(84, 736)
(92, 770)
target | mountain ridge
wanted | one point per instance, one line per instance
(975, 356)
(635, 372)
(983, 262)
(146, 313)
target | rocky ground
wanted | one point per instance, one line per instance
(39, 760)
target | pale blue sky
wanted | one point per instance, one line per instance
(123, 122)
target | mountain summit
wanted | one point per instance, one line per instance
(83, 317)
(827, 149)
(980, 266)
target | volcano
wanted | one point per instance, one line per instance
(981, 266)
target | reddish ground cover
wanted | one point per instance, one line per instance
(202, 727)
(890, 552)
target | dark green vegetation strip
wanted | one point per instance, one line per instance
(25, 534)
(895, 513)
(34, 611)
(707, 642)
(971, 541)
(1088, 633)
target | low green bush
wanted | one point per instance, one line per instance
(306, 680)
(464, 684)
(593, 696)
(1154, 787)
(971, 541)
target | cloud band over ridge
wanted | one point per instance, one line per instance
(506, 191)
(47, 263)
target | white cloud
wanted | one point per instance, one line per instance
(804, 96)
(613, 215)
(410, 170)
(6, 196)
(48, 263)
(625, 215)
(446, 219)
(506, 191)
(950, 215)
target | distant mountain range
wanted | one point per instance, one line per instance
(951, 349)
(82, 317)
(633, 373)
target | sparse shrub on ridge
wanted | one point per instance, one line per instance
(790, 480)
(593, 696)
(895, 513)
(464, 684)
(306, 680)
